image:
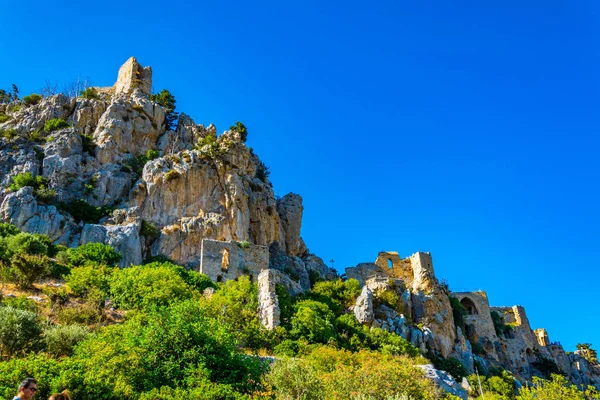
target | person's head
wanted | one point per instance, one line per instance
(27, 389)
(64, 395)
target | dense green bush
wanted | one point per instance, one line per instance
(25, 269)
(145, 287)
(338, 295)
(555, 389)
(55, 124)
(44, 368)
(235, 304)
(60, 340)
(165, 99)
(451, 365)
(20, 303)
(7, 229)
(19, 331)
(38, 183)
(313, 321)
(149, 230)
(80, 210)
(91, 282)
(176, 346)
(89, 94)
(194, 279)
(458, 313)
(4, 117)
(32, 99)
(241, 129)
(172, 175)
(91, 254)
(502, 386)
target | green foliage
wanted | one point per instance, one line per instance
(90, 282)
(19, 331)
(92, 254)
(136, 165)
(149, 230)
(32, 99)
(545, 365)
(8, 133)
(145, 287)
(501, 387)
(55, 124)
(451, 365)
(338, 295)
(241, 129)
(389, 297)
(477, 348)
(262, 171)
(60, 340)
(38, 183)
(500, 327)
(172, 175)
(25, 269)
(4, 117)
(555, 389)
(89, 94)
(20, 303)
(193, 279)
(244, 244)
(235, 304)
(87, 143)
(81, 210)
(165, 99)
(328, 373)
(458, 313)
(84, 312)
(44, 368)
(313, 321)
(7, 229)
(588, 353)
(177, 346)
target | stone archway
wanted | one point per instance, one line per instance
(469, 305)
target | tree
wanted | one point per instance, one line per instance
(165, 99)
(588, 353)
(15, 92)
(241, 129)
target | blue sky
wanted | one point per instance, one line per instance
(469, 129)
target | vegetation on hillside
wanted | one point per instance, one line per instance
(154, 332)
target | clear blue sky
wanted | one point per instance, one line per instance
(467, 129)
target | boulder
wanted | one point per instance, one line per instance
(363, 310)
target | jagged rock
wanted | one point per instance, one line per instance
(22, 210)
(463, 350)
(123, 238)
(87, 114)
(444, 381)
(290, 209)
(34, 117)
(363, 310)
(17, 161)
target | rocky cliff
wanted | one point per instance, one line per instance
(156, 191)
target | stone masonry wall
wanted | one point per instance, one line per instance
(223, 261)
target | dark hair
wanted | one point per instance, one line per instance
(64, 395)
(26, 383)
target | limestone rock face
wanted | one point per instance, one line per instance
(131, 76)
(444, 381)
(22, 210)
(290, 209)
(363, 310)
(434, 311)
(123, 238)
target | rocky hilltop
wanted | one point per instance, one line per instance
(110, 166)
(164, 190)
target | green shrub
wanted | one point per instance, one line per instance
(451, 365)
(39, 184)
(87, 143)
(92, 254)
(235, 304)
(241, 129)
(389, 297)
(41, 366)
(15, 108)
(89, 279)
(477, 348)
(165, 99)
(89, 94)
(338, 295)
(194, 280)
(244, 244)
(7, 229)
(20, 303)
(80, 210)
(8, 133)
(60, 340)
(458, 313)
(149, 230)
(4, 117)
(546, 366)
(287, 347)
(55, 124)
(262, 171)
(28, 243)
(295, 379)
(32, 99)
(84, 312)
(176, 346)
(172, 175)
(313, 321)
(19, 331)
(25, 269)
(144, 287)
(558, 388)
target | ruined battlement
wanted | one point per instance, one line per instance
(223, 261)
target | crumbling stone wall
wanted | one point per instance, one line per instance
(478, 321)
(223, 261)
(268, 303)
(132, 75)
